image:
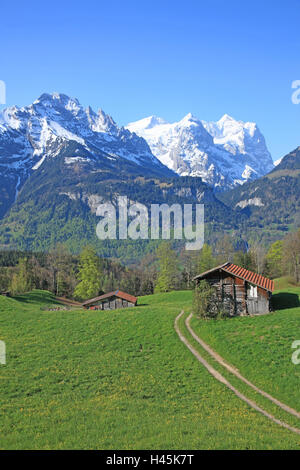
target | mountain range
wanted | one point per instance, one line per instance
(59, 161)
(224, 154)
(33, 134)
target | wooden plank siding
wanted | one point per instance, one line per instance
(111, 301)
(233, 294)
(110, 304)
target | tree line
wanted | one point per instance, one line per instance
(87, 275)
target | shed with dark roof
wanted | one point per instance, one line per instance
(239, 291)
(111, 301)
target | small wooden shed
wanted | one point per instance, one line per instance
(6, 294)
(239, 291)
(111, 301)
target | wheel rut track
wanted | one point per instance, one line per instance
(225, 382)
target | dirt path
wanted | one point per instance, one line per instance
(225, 382)
(71, 303)
(235, 372)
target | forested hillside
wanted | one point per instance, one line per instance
(271, 204)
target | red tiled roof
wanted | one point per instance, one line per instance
(243, 273)
(117, 293)
(249, 276)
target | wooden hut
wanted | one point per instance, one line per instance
(111, 301)
(239, 291)
(6, 294)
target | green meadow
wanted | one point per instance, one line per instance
(122, 379)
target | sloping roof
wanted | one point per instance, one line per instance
(242, 273)
(117, 293)
(210, 271)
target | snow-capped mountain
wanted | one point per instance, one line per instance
(32, 134)
(224, 153)
(277, 162)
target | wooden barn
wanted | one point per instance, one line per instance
(6, 294)
(239, 291)
(111, 301)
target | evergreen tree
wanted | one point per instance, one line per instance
(168, 268)
(90, 274)
(244, 259)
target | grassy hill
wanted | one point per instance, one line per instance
(260, 347)
(122, 379)
(285, 282)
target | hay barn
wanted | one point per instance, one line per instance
(239, 291)
(111, 301)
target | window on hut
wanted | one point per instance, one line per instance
(253, 291)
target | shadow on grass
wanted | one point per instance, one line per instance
(40, 297)
(285, 300)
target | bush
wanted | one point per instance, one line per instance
(206, 303)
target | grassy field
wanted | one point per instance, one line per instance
(123, 380)
(261, 347)
(284, 282)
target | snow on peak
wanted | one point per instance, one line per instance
(189, 117)
(146, 123)
(239, 137)
(189, 120)
(276, 163)
(104, 123)
(225, 118)
(55, 98)
(222, 153)
(60, 108)
(39, 131)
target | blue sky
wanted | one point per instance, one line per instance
(137, 58)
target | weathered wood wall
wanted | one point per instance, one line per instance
(232, 294)
(111, 304)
